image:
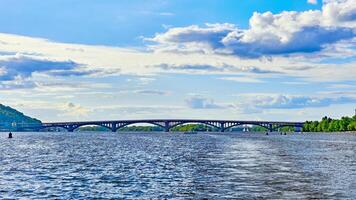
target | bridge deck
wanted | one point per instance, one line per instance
(166, 124)
(175, 120)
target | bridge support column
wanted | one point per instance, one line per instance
(297, 129)
(71, 128)
(166, 126)
(270, 127)
(222, 127)
(114, 127)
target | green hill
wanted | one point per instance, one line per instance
(9, 118)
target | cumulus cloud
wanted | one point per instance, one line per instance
(73, 110)
(313, 1)
(339, 11)
(260, 102)
(256, 103)
(23, 67)
(194, 38)
(16, 71)
(268, 34)
(110, 61)
(201, 103)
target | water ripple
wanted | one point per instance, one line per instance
(176, 166)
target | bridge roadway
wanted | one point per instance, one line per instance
(168, 124)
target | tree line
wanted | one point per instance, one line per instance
(331, 125)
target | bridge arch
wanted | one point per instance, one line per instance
(139, 122)
(194, 122)
(91, 124)
(71, 128)
(241, 124)
(296, 128)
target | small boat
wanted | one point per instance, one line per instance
(190, 132)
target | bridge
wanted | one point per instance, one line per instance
(165, 124)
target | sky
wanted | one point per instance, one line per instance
(71, 60)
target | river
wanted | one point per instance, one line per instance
(87, 165)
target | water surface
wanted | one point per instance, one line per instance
(177, 166)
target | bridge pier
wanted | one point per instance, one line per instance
(71, 128)
(167, 126)
(297, 129)
(222, 127)
(270, 127)
(114, 127)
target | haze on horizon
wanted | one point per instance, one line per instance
(289, 60)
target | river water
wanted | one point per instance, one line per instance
(177, 166)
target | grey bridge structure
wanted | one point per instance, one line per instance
(166, 124)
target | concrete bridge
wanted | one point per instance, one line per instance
(167, 124)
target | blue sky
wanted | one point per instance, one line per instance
(256, 59)
(112, 22)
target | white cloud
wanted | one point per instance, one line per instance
(218, 68)
(262, 102)
(151, 92)
(73, 110)
(24, 67)
(342, 86)
(242, 79)
(25, 62)
(198, 102)
(339, 11)
(168, 14)
(313, 1)
(103, 61)
(268, 34)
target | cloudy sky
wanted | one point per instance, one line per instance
(214, 59)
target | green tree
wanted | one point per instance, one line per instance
(352, 126)
(331, 125)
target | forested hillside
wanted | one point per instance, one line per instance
(10, 117)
